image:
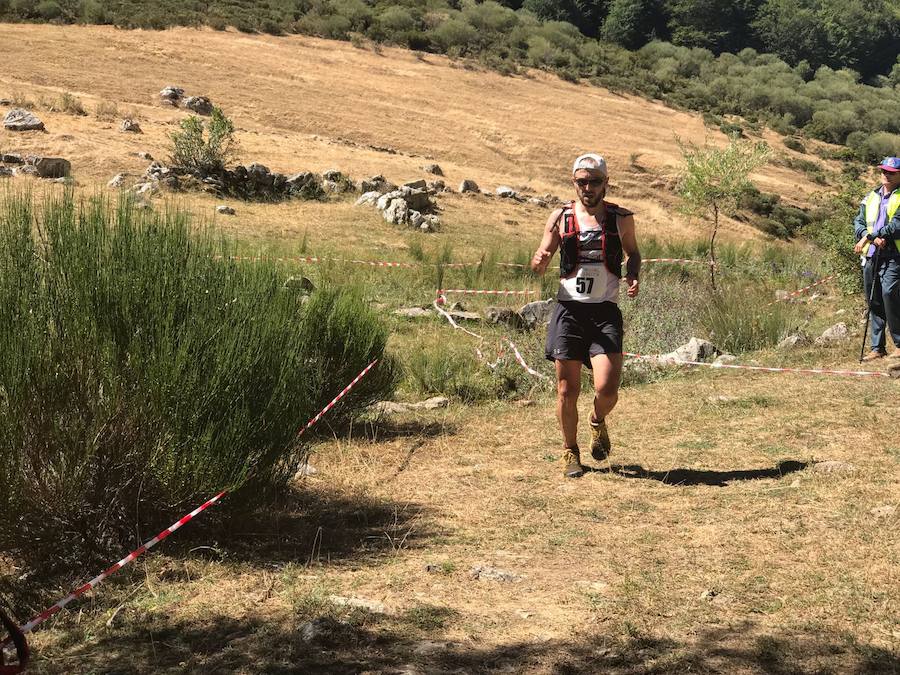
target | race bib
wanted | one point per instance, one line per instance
(590, 284)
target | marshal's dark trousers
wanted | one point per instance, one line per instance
(885, 305)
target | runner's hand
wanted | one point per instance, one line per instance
(540, 260)
(633, 287)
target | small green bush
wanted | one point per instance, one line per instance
(737, 320)
(794, 144)
(204, 147)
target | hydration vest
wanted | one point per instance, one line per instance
(592, 246)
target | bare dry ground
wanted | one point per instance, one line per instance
(713, 542)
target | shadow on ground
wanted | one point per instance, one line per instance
(371, 644)
(701, 476)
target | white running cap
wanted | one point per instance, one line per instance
(590, 161)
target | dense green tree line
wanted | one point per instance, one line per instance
(832, 73)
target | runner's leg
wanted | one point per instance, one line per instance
(568, 383)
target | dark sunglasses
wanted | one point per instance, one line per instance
(584, 182)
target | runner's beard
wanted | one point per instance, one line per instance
(590, 201)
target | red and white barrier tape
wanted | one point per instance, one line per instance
(794, 294)
(81, 590)
(412, 265)
(472, 291)
(519, 358)
(805, 371)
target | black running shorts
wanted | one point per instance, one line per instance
(580, 330)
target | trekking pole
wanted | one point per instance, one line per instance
(862, 349)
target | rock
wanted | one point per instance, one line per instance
(371, 605)
(493, 573)
(430, 224)
(315, 630)
(368, 198)
(416, 185)
(724, 359)
(434, 403)
(390, 407)
(302, 284)
(145, 155)
(199, 104)
(171, 94)
(833, 467)
(893, 370)
(130, 126)
(696, 350)
(506, 192)
(781, 295)
(883, 511)
(413, 312)
(792, 341)
(331, 186)
(837, 333)
(374, 183)
(25, 170)
(506, 316)
(11, 158)
(433, 168)
(393, 407)
(537, 201)
(385, 199)
(458, 315)
(708, 594)
(6, 101)
(415, 219)
(593, 586)
(145, 189)
(117, 181)
(306, 469)
(18, 119)
(6, 171)
(397, 212)
(469, 185)
(436, 186)
(333, 175)
(51, 167)
(225, 210)
(418, 200)
(536, 313)
(428, 647)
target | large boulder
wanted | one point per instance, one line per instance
(397, 212)
(199, 104)
(837, 333)
(51, 167)
(375, 183)
(18, 119)
(696, 350)
(537, 313)
(368, 198)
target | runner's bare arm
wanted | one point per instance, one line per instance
(633, 259)
(549, 243)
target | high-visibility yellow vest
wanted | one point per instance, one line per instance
(873, 204)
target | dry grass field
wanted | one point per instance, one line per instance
(715, 540)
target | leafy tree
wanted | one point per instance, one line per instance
(630, 23)
(714, 179)
(714, 25)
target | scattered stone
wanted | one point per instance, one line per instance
(393, 407)
(171, 95)
(368, 198)
(6, 171)
(724, 359)
(524, 403)
(333, 175)
(10, 158)
(414, 312)
(506, 316)
(6, 101)
(506, 192)
(51, 167)
(894, 370)
(883, 511)
(458, 315)
(117, 181)
(433, 169)
(781, 295)
(397, 212)
(430, 224)
(199, 104)
(537, 313)
(833, 467)
(469, 185)
(708, 594)
(225, 210)
(837, 333)
(695, 350)
(493, 573)
(130, 126)
(25, 170)
(537, 201)
(375, 183)
(437, 186)
(371, 605)
(428, 647)
(792, 341)
(145, 155)
(313, 631)
(415, 219)
(302, 284)
(18, 119)
(416, 184)
(306, 469)
(593, 586)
